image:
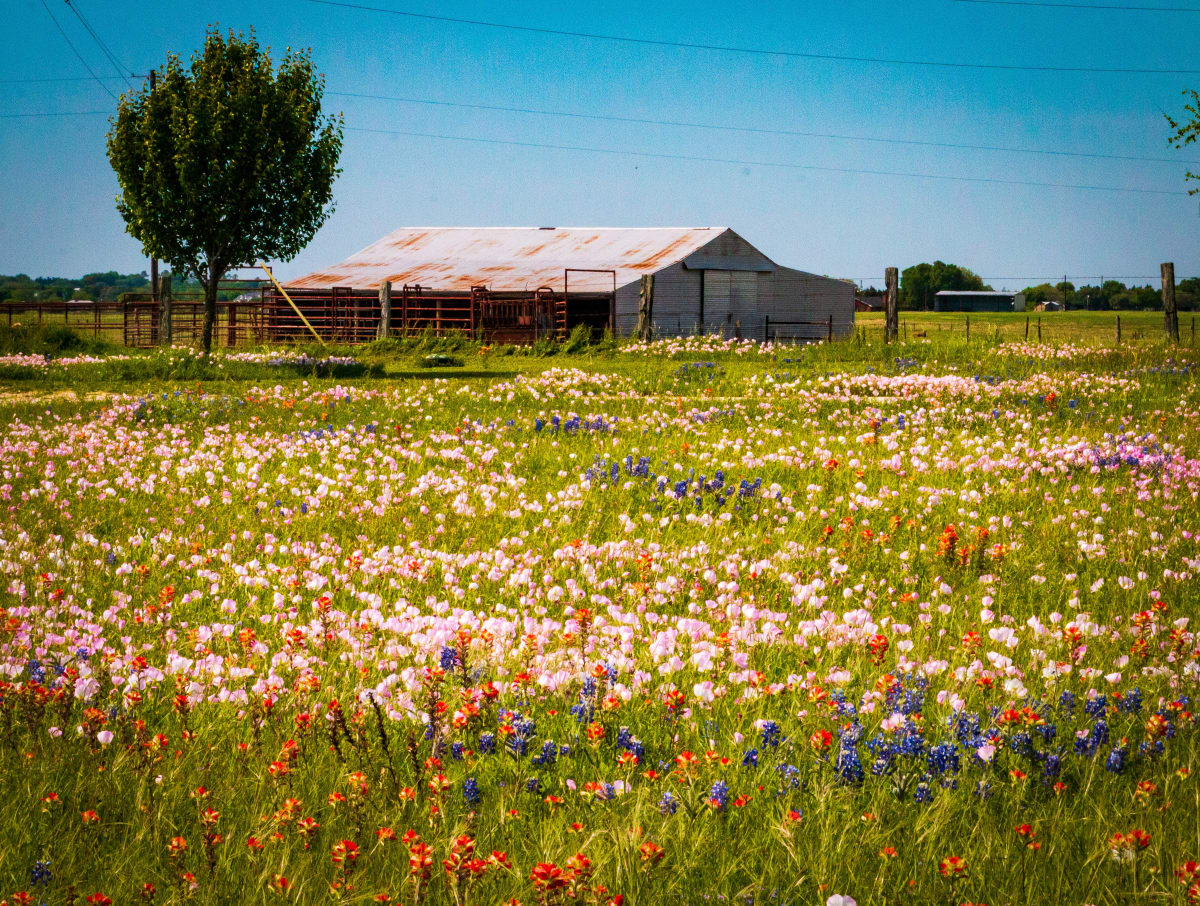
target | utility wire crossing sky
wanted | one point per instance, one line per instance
(991, 133)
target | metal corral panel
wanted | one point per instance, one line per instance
(515, 258)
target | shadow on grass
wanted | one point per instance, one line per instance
(427, 373)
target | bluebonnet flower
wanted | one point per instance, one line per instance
(487, 743)
(718, 796)
(923, 794)
(471, 791)
(771, 734)
(1130, 702)
(533, 785)
(456, 751)
(1051, 767)
(667, 804)
(548, 754)
(943, 759)
(1095, 707)
(1066, 701)
(40, 874)
(1115, 763)
(448, 658)
(849, 767)
(750, 759)
(37, 672)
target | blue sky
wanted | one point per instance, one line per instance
(58, 190)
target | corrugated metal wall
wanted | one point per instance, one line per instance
(746, 296)
(800, 296)
(676, 303)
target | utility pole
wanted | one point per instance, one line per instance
(154, 293)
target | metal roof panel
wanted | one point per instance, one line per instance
(512, 258)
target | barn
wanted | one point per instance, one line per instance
(515, 284)
(978, 300)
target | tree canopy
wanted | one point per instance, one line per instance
(227, 161)
(1186, 130)
(921, 282)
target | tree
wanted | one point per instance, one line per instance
(921, 282)
(1187, 130)
(227, 161)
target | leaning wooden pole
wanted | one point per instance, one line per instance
(298, 312)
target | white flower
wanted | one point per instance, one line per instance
(840, 899)
(104, 737)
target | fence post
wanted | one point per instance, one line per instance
(891, 322)
(385, 310)
(1118, 330)
(1039, 328)
(767, 328)
(831, 328)
(968, 328)
(1027, 327)
(164, 310)
(1170, 315)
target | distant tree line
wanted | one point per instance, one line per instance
(920, 283)
(104, 287)
(99, 287)
(1113, 295)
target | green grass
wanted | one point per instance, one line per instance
(232, 555)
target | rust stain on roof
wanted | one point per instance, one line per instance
(511, 258)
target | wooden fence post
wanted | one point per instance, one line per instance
(830, 328)
(164, 310)
(1118, 330)
(385, 310)
(1039, 328)
(968, 328)
(1170, 315)
(891, 322)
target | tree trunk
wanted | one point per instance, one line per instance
(210, 308)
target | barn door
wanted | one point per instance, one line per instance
(729, 297)
(743, 302)
(716, 302)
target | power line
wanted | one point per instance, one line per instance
(763, 163)
(1137, 9)
(751, 130)
(104, 48)
(12, 116)
(703, 159)
(75, 50)
(729, 48)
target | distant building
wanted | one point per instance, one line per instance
(868, 303)
(978, 300)
(1048, 305)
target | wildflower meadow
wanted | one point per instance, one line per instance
(681, 622)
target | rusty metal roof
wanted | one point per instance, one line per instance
(511, 258)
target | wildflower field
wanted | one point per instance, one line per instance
(686, 622)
